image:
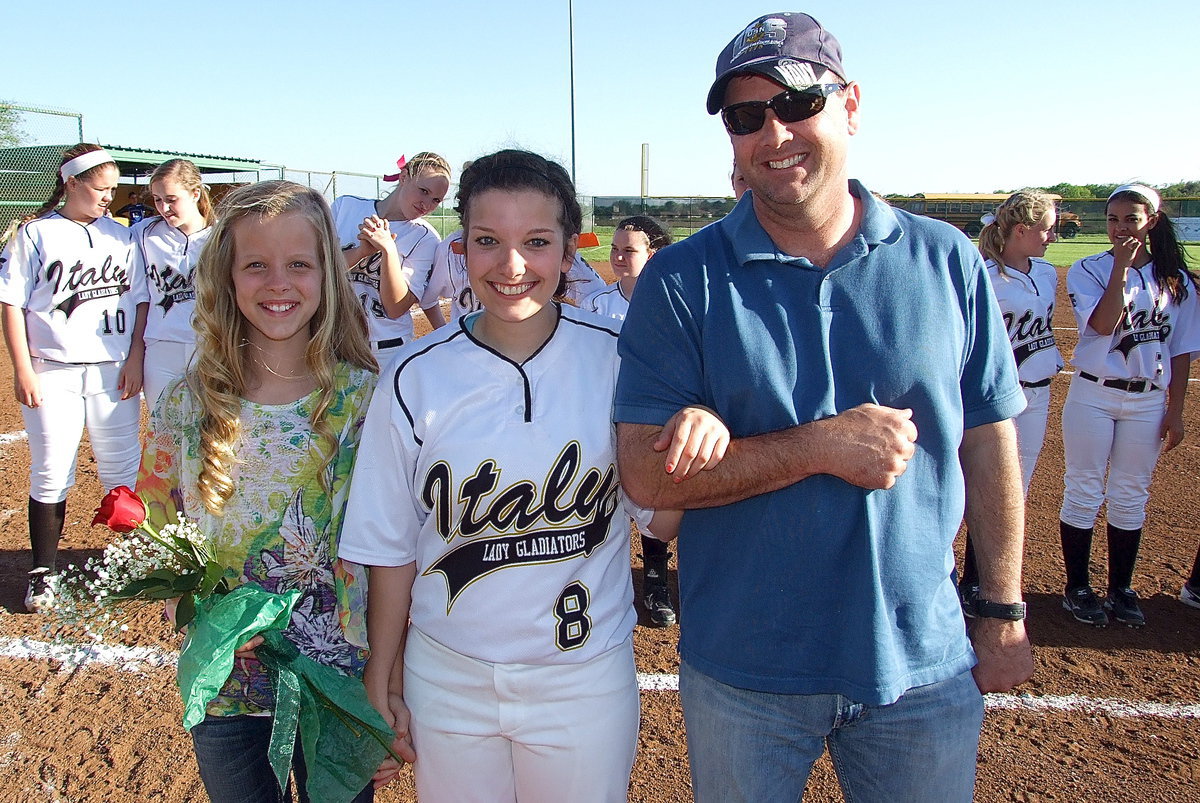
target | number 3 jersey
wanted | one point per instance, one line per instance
(72, 280)
(500, 481)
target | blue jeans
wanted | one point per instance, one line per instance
(757, 746)
(232, 755)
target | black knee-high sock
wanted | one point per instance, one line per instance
(1077, 550)
(970, 575)
(1194, 580)
(655, 555)
(45, 528)
(1122, 555)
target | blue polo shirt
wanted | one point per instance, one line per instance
(822, 586)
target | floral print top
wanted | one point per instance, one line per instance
(280, 528)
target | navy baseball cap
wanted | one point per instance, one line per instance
(783, 47)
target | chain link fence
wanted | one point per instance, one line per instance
(31, 144)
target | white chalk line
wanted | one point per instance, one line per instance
(144, 659)
(12, 437)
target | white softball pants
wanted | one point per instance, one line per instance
(497, 733)
(165, 362)
(1031, 431)
(1113, 430)
(75, 394)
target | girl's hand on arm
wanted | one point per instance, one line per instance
(695, 440)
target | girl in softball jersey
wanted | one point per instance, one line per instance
(168, 248)
(74, 336)
(256, 444)
(389, 247)
(1013, 242)
(634, 241)
(1136, 309)
(486, 501)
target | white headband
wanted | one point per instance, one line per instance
(83, 163)
(1141, 189)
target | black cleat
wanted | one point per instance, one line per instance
(1122, 603)
(1083, 604)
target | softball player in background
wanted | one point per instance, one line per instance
(486, 500)
(168, 248)
(74, 336)
(1136, 309)
(634, 241)
(1013, 242)
(389, 248)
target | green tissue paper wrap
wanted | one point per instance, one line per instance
(331, 710)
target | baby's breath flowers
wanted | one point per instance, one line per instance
(142, 565)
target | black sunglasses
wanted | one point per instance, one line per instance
(790, 106)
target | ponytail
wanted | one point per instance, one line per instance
(1025, 207)
(1170, 258)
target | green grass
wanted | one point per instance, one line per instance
(1063, 253)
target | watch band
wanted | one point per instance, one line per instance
(1012, 612)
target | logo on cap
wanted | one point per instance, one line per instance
(796, 74)
(761, 33)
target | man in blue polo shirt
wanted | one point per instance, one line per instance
(858, 357)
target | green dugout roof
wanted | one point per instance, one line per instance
(139, 161)
(131, 161)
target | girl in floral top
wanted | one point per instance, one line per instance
(256, 443)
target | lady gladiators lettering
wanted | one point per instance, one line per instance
(1140, 327)
(86, 284)
(1030, 333)
(523, 506)
(175, 287)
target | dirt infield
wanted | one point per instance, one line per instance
(1110, 714)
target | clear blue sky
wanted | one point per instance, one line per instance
(958, 96)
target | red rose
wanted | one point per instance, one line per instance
(121, 510)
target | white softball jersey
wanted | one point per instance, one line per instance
(609, 302)
(1027, 304)
(1151, 331)
(165, 266)
(448, 278)
(500, 481)
(72, 280)
(416, 243)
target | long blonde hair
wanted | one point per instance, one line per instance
(338, 331)
(1025, 206)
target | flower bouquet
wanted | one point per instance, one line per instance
(146, 565)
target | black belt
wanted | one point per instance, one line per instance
(387, 344)
(1128, 385)
(1045, 383)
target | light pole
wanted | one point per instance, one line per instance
(571, 39)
